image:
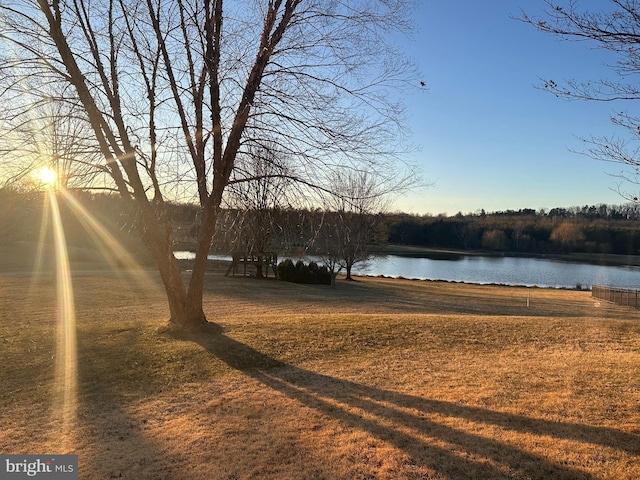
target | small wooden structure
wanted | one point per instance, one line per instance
(261, 262)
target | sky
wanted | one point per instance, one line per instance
(487, 136)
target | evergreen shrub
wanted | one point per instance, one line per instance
(299, 272)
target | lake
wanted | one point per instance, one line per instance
(502, 270)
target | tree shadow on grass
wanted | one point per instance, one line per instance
(419, 296)
(116, 443)
(483, 457)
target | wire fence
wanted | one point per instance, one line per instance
(619, 296)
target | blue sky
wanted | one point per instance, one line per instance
(487, 137)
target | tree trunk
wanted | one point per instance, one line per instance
(258, 265)
(186, 310)
(185, 306)
(348, 267)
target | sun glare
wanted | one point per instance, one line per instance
(47, 175)
(66, 370)
(65, 393)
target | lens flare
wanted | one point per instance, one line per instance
(65, 395)
(66, 370)
(117, 256)
(40, 252)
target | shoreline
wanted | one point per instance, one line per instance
(481, 284)
(18, 259)
(607, 259)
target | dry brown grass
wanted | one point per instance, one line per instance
(377, 379)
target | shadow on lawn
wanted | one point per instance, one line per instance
(119, 447)
(419, 296)
(338, 398)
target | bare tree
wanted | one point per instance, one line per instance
(568, 235)
(327, 241)
(174, 91)
(258, 194)
(615, 29)
(352, 214)
(55, 136)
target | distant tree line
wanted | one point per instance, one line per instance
(339, 237)
(21, 218)
(587, 229)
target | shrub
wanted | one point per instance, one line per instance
(304, 275)
(324, 275)
(301, 273)
(287, 271)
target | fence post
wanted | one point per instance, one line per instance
(619, 296)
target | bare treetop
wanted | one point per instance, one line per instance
(186, 84)
(615, 27)
(174, 91)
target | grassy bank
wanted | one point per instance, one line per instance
(377, 378)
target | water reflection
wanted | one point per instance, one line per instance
(502, 270)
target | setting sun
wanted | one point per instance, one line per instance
(47, 175)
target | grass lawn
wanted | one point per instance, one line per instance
(375, 379)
